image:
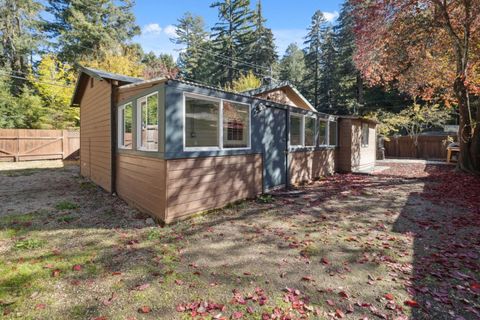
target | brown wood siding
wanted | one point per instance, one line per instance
(200, 184)
(310, 165)
(95, 133)
(344, 151)
(140, 181)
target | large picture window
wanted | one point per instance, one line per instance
(322, 132)
(203, 117)
(332, 133)
(296, 130)
(309, 132)
(235, 125)
(147, 129)
(125, 118)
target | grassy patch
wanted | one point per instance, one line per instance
(265, 198)
(28, 244)
(66, 205)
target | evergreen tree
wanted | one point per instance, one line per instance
(262, 51)
(232, 38)
(84, 29)
(327, 84)
(19, 37)
(350, 94)
(313, 57)
(193, 62)
(292, 66)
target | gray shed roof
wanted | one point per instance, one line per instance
(108, 75)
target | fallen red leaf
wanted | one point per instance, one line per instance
(40, 306)
(237, 315)
(56, 273)
(343, 294)
(339, 313)
(77, 267)
(411, 303)
(325, 261)
(144, 309)
(389, 296)
(330, 303)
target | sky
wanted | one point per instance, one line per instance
(288, 20)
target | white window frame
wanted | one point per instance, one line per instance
(302, 130)
(327, 132)
(330, 120)
(139, 122)
(314, 131)
(121, 126)
(220, 123)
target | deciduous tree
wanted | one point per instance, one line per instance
(429, 49)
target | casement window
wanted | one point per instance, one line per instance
(332, 133)
(235, 125)
(147, 123)
(296, 130)
(309, 131)
(322, 132)
(215, 124)
(365, 134)
(125, 118)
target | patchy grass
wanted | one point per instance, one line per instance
(353, 247)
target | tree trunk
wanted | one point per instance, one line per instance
(468, 135)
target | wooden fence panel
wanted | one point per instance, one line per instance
(429, 147)
(32, 144)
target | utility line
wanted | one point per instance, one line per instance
(36, 80)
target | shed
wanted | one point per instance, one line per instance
(173, 148)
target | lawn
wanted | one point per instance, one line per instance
(404, 243)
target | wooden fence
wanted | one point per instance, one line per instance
(32, 144)
(429, 147)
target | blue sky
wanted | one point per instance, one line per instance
(288, 19)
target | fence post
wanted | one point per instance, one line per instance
(64, 143)
(16, 156)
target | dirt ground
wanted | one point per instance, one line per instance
(402, 244)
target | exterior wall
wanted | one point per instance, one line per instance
(306, 166)
(343, 159)
(363, 156)
(200, 184)
(141, 182)
(95, 133)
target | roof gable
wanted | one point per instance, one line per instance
(86, 73)
(283, 92)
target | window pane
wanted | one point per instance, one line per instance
(235, 125)
(201, 123)
(309, 131)
(365, 134)
(295, 130)
(333, 133)
(127, 117)
(149, 123)
(322, 133)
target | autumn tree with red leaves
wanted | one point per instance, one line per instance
(428, 49)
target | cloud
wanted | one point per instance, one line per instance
(330, 16)
(284, 37)
(151, 28)
(170, 31)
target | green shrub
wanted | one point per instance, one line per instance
(28, 244)
(265, 198)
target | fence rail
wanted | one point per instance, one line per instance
(33, 144)
(429, 147)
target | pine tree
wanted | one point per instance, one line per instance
(327, 85)
(193, 62)
(262, 51)
(313, 57)
(232, 38)
(20, 37)
(292, 66)
(350, 96)
(84, 29)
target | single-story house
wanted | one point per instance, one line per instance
(173, 148)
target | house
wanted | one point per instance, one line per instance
(173, 148)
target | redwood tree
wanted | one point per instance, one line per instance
(430, 49)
